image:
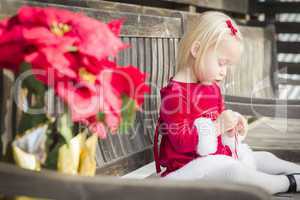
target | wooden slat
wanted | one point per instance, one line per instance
(136, 25)
(275, 135)
(287, 27)
(269, 110)
(148, 98)
(106, 149)
(176, 45)
(271, 101)
(288, 81)
(7, 132)
(100, 161)
(53, 185)
(124, 60)
(239, 6)
(142, 53)
(289, 67)
(288, 47)
(172, 57)
(118, 7)
(270, 34)
(117, 146)
(256, 23)
(161, 69)
(135, 135)
(155, 89)
(127, 163)
(278, 7)
(166, 63)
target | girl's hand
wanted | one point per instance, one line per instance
(227, 123)
(242, 126)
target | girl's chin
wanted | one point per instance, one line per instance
(218, 81)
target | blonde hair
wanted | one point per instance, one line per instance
(209, 29)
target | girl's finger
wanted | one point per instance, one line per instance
(231, 132)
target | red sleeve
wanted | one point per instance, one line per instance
(177, 124)
(222, 104)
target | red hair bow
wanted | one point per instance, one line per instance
(230, 25)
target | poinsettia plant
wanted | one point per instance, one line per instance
(69, 53)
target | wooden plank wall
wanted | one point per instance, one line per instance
(252, 76)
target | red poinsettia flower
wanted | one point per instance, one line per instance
(87, 100)
(131, 82)
(89, 36)
(69, 52)
(115, 26)
(64, 65)
(12, 45)
(11, 56)
(3, 25)
(97, 127)
(82, 82)
(52, 64)
(33, 28)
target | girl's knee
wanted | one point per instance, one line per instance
(238, 172)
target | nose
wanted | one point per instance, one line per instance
(222, 74)
(223, 71)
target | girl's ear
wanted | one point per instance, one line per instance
(194, 49)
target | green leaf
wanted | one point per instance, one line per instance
(72, 49)
(128, 114)
(101, 116)
(51, 162)
(30, 82)
(29, 121)
(65, 126)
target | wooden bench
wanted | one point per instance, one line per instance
(154, 40)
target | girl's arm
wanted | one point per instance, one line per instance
(180, 131)
(207, 136)
(200, 135)
(186, 135)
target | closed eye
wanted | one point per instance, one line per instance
(222, 62)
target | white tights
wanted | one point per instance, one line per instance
(268, 172)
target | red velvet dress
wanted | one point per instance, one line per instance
(181, 104)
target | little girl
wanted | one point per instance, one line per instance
(200, 138)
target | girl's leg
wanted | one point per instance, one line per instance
(225, 168)
(269, 163)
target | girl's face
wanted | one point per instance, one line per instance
(217, 61)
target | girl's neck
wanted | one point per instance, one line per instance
(185, 75)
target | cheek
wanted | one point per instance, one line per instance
(208, 73)
(212, 72)
(212, 69)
